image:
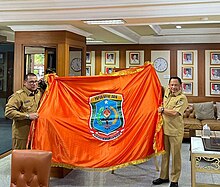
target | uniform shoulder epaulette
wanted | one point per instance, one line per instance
(19, 91)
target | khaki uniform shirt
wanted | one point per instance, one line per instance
(21, 103)
(173, 125)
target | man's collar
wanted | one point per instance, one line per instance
(30, 93)
(175, 94)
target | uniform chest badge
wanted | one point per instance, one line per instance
(180, 102)
(106, 119)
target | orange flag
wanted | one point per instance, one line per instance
(103, 122)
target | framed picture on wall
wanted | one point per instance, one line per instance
(134, 58)
(88, 58)
(215, 88)
(214, 58)
(109, 70)
(109, 58)
(187, 58)
(187, 88)
(88, 70)
(214, 73)
(187, 73)
(1, 84)
(1, 71)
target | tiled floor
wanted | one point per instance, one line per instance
(132, 176)
(5, 134)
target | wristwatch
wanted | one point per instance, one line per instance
(27, 116)
(162, 110)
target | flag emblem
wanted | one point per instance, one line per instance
(106, 118)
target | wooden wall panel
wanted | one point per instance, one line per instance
(201, 72)
(63, 59)
(147, 55)
(18, 66)
(83, 67)
(50, 38)
(122, 58)
(98, 62)
(173, 63)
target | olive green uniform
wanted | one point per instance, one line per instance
(173, 134)
(19, 105)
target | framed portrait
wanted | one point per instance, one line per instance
(1, 58)
(1, 84)
(187, 58)
(187, 73)
(214, 73)
(215, 88)
(109, 70)
(187, 88)
(1, 71)
(134, 58)
(88, 58)
(109, 58)
(88, 70)
(214, 58)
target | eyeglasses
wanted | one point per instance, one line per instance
(32, 82)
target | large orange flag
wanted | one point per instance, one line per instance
(103, 122)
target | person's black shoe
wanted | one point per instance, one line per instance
(160, 181)
(174, 184)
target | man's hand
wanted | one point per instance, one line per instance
(33, 116)
(160, 109)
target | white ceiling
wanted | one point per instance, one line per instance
(147, 21)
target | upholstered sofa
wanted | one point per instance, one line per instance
(198, 114)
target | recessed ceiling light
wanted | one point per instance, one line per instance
(94, 41)
(178, 27)
(90, 39)
(105, 22)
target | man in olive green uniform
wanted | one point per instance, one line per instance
(22, 109)
(174, 105)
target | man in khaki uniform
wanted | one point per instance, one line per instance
(22, 109)
(174, 105)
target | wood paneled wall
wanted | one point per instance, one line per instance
(173, 60)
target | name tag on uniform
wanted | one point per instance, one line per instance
(27, 101)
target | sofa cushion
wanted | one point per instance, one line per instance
(189, 112)
(190, 123)
(218, 110)
(213, 124)
(204, 110)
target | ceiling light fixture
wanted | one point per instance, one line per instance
(204, 19)
(178, 27)
(94, 41)
(89, 39)
(105, 22)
